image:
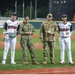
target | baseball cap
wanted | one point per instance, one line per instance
(14, 14)
(64, 15)
(49, 15)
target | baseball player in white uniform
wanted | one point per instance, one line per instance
(65, 31)
(11, 28)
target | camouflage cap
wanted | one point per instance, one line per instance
(49, 15)
(14, 14)
(64, 15)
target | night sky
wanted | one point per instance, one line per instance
(10, 4)
(69, 8)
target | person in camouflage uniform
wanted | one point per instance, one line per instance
(47, 36)
(26, 30)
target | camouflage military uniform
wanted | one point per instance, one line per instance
(48, 39)
(26, 40)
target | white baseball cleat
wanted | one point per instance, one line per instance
(62, 62)
(13, 62)
(3, 62)
(71, 63)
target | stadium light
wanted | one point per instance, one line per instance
(59, 4)
(60, 1)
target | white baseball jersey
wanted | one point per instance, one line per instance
(11, 26)
(65, 29)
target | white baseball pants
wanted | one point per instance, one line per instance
(65, 42)
(12, 44)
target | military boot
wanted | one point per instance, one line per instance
(35, 62)
(25, 62)
(52, 62)
(44, 62)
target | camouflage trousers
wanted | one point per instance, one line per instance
(51, 45)
(27, 43)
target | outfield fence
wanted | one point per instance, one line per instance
(35, 23)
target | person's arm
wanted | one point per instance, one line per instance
(4, 31)
(18, 29)
(21, 30)
(33, 30)
(71, 29)
(5, 26)
(41, 35)
(41, 31)
(58, 29)
(55, 27)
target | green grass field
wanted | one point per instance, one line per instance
(39, 57)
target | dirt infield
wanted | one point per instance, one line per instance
(70, 70)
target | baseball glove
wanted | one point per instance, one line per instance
(12, 35)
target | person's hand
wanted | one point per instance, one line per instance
(4, 37)
(42, 40)
(67, 33)
(4, 34)
(29, 33)
(51, 33)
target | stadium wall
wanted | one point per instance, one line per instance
(35, 23)
(38, 24)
